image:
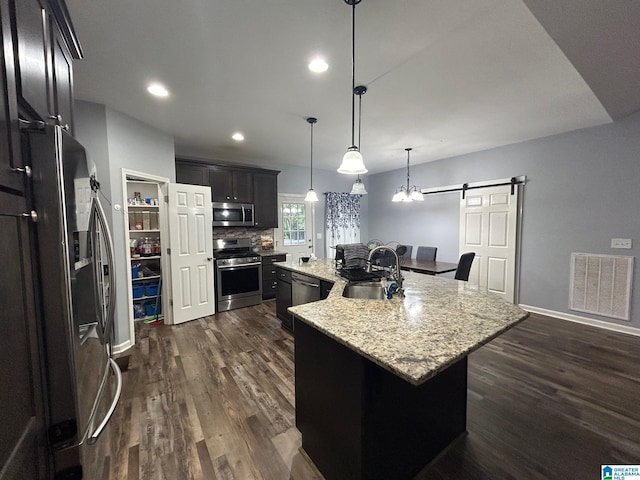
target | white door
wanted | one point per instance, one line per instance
(190, 234)
(294, 234)
(488, 227)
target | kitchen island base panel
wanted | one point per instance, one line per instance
(360, 421)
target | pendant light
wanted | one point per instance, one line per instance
(358, 187)
(352, 162)
(311, 194)
(406, 194)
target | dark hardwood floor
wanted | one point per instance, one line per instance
(214, 399)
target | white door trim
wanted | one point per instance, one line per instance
(311, 233)
(164, 234)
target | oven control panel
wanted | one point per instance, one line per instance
(228, 262)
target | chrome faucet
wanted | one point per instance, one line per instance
(397, 276)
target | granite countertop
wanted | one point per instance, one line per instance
(438, 322)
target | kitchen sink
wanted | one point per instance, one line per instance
(364, 290)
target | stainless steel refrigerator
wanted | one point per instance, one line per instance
(77, 277)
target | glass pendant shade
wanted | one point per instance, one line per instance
(416, 195)
(358, 188)
(311, 196)
(406, 194)
(399, 196)
(352, 162)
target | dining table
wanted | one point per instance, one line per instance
(430, 267)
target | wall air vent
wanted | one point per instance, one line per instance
(601, 284)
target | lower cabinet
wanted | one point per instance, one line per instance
(325, 288)
(269, 276)
(284, 298)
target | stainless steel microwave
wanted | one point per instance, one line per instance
(232, 214)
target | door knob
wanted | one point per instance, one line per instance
(209, 259)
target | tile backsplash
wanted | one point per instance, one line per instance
(240, 232)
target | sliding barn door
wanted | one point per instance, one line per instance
(190, 234)
(488, 227)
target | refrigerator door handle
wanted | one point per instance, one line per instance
(98, 218)
(93, 438)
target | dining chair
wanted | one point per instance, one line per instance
(464, 266)
(426, 253)
(407, 254)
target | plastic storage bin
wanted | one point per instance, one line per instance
(150, 309)
(151, 289)
(138, 291)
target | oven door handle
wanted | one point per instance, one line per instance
(236, 267)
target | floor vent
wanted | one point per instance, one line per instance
(601, 284)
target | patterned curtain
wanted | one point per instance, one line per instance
(342, 220)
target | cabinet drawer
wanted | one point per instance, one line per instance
(268, 272)
(270, 289)
(269, 259)
(283, 275)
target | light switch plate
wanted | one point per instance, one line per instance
(620, 243)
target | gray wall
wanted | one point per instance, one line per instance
(115, 141)
(581, 191)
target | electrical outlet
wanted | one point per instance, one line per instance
(620, 243)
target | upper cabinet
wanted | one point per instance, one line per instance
(62, 112)
(229, 185)
(236, 184)
(38, 45)
(265, 199)
(43, 72)
(32, 66)
(192, 174)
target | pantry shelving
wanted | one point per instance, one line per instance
(144, 237)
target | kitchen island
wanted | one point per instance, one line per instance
(381, 385)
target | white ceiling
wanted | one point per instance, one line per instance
(445, 77)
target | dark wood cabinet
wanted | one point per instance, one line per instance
(192, 174)
(35, 85)
(265, 200)
(42, 69)
(269, 275)
(236, 184)
(32, 62)
(325, 288)
(22, 417)
(284, 298)
(62, 81)
(10, 158)
(228, 185)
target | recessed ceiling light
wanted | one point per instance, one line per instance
(238, 137)
(318, 65)
(158, 90)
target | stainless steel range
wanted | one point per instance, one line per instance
(238, 273)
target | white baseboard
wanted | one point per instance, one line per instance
(584, 320)
(121, 347)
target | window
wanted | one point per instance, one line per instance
(293, 223)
